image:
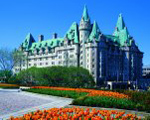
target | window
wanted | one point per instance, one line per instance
(46, 63)
(53, 63)
(46, 58)
(60, 57)
(93, 59)
(93, 53)
(93, 65)
(29, 64)
(71, 56)
(53, 57)
(71, 50)
(60, 52)
(40, 59)
(35, 64)
(40, 63)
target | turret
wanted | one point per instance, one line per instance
(121, 31)
(85, 25)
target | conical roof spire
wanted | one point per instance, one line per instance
(29, 37)
(120, 23)
(95, 31)
(121, 31)
(95, 27)
(85, 15)
(28, 41)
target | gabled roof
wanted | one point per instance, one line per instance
(72, 33)
(95, 32)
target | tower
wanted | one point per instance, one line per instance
(84, 32)
(124, 41)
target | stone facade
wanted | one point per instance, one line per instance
(107, 57)
(146, 70)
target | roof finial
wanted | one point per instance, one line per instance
(120, 15)
(85, 15)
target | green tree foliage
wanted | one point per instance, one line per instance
(57, 76)
(5, 75)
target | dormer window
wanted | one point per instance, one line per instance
(45, 44)
(40, 45)
(52, 43)
(34, 46)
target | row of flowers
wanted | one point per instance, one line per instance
(8, 85)
(90, 91)
(77, 113)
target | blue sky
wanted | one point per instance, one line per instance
(19, 17)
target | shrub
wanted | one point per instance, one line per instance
(57, 76)
(103, 101)
(142, 99)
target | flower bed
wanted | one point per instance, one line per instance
(77, 113)
(4, 85)
(90, 91)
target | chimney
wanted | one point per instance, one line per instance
(41, 38)
(54, 35)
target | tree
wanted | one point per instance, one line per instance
(57, 76)
(9, 59)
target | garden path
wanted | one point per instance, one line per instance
(14, 103)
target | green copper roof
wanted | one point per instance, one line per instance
(113, 38)
(51, 43)
(121, 32)
(30, 44)
(72, 33)
(85, 15)
(95, 32)
(28, 41)
(124, 36)
(120, 23)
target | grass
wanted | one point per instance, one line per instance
(82, 98)
(104, 101)
(9, 87)
(61, 93)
